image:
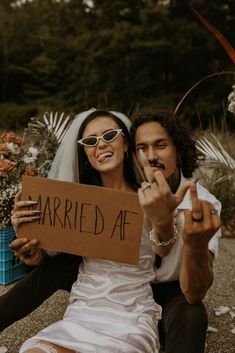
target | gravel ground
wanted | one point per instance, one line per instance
(220, 294)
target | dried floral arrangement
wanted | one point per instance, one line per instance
(14, 162)
(30, 154)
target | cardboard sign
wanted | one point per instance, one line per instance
(86, 220)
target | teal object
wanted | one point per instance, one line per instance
(11, 268)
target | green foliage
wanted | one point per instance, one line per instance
(14, 116)
(122, 54)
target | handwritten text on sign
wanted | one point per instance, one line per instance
(82, 219)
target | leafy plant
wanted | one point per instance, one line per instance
(217, 156)
(217, 173)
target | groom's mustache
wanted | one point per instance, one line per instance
(156, 164)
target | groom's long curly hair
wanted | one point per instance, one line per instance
(183, 142)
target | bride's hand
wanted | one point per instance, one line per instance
(27, 251)
(20, 214)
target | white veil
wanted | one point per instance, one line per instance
(65, 164)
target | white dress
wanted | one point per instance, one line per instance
(111, 309)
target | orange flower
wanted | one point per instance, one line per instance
(31, 171)
(7, 166)
(11, 137)
(3, 148)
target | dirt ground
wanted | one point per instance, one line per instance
(221, 294)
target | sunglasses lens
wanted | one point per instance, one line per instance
(110, 135)
(89, 141)
(92, 141)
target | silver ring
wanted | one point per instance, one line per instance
(199, 219)
(214, 211)
(146, 186)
